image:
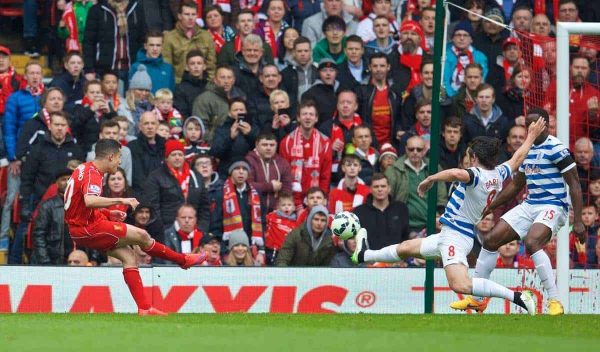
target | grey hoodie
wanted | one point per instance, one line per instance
(316, 242)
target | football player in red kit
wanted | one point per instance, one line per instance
(93, 226)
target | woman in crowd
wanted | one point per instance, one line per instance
(271, 30)
(115, 186)
(286, 48)
(239, 250)
(512, 100)
(221, 33)
(138, 98)
(282, 123)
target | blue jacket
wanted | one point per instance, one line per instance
(452, 60)
(20, 107)
(161, 73)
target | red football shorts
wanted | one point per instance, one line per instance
(102, 235)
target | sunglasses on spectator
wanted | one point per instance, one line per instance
(417, 149)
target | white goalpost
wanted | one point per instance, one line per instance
(563, 31)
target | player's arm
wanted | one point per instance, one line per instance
(450, 175)
(535, 129)
(509, 192)
(572, 179)
(94, 201)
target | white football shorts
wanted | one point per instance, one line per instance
(452, 246)
(521, 217)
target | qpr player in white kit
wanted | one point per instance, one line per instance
(548, 169)
(477, 189)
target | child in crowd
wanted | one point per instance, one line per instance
(193, 133)
(163, 101)
(314, 196)
(584, 254)
(351, 191)
(192, 83)
(279, 224)
(124, 136)
(164, 130)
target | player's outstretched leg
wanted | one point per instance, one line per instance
(486, 262)
(133, 280)
(138, 236)
(392, 253)
(537, 237)
(460, 282)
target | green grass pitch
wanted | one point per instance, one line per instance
(306, 333)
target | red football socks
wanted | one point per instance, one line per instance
(134, 282)
(161, 251)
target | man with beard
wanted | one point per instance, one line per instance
(406, 61)
(584, 98)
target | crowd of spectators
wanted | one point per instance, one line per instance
(246, 125)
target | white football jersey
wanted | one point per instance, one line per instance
(466, 205)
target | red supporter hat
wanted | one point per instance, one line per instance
(509, 41)
(414, 26)
(4, 50)
(387, 149)
(173, 145)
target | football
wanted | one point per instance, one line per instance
(345, 225)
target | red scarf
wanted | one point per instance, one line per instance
(245, 4)
(182, 177)
(462, 60)
(237, 44)
(37, 90)
(232, 218)
(88, 104)
(421, 131)
(508, 69)
(115, 100)
(270, 38)
(412, 61)
(297, 154)
(168, 116)
(46, 117)
(218, 39)
(195, 236)
(68, 17)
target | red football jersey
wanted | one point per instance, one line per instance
(85, 180)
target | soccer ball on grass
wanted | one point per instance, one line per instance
(345, 225)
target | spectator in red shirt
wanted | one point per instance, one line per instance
(379, 105)
(509, 257)
(308, 152)
(351, 191)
